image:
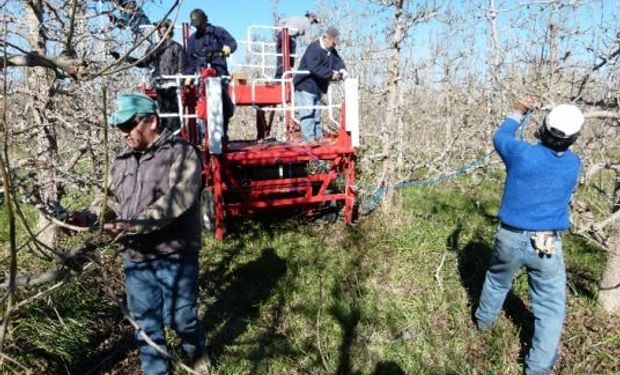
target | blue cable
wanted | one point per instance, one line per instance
(523, 125)
(381, 192)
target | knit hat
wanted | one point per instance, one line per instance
(198, 17)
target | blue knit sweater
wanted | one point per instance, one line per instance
(539, 182)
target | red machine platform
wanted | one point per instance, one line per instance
(244, 177)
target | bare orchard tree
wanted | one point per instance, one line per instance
(61, 47)
(609, 294)
(55, 72)
(406, 16)
(41, 82)
(447, 75)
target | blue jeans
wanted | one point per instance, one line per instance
(310, 119)
(547, 289)
(160, 292)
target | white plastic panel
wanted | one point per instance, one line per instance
(352, 110)
(215, 114)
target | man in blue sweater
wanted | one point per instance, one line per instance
(324, 64)
(534, 210)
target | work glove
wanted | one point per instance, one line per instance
(115, 55)
(343, 73)
(226, 50)
(336, 76)
(544, 243)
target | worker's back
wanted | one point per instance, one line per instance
(539, 182)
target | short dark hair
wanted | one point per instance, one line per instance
(557, 144)
(166, 24)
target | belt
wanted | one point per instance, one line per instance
(510, 228)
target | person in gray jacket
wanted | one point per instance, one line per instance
(297, 27)
(166, 57)
(154, 198)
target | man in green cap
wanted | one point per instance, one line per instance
(154, 201)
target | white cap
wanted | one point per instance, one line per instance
(566, 118)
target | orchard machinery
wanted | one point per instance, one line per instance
(275, 170)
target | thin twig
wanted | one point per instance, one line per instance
(62, 224)
(438, 271)
(106, 167)
(9, 204)
(40, 294)
(318, 323)
(15, 362)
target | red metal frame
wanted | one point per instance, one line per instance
(234, 191)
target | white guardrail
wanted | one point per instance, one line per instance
(262, 50)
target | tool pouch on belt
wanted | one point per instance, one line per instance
(544, 242)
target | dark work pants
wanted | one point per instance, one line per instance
(228, 107)
(167, 103)
(279, 64)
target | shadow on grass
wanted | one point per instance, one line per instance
(106, 360)
(584, 275)
(269, 223)
(238, 296)
(109, 341)
(473, 262)
(388, 368)
(348, 315)
(348, 295)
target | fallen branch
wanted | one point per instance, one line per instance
(15, 362)
(602, 114)
(438, 271)
(71, 264)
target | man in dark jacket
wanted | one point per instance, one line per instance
(324, 64)
(208, 38)
(154, 197)
(540, 180)
(164, 58)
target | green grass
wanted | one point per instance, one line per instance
(292, 297)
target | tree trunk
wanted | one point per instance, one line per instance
(609, 294)
(392, 117)
(496, 56)
(40, 82)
